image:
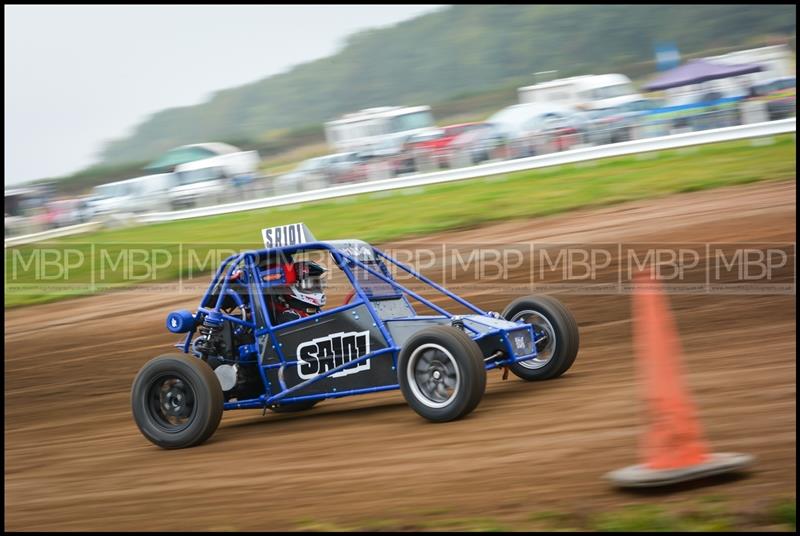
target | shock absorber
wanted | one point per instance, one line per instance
(208, 342)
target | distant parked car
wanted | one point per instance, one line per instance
(113, 197)
(209, 180)
(198, 185)
(309, 175)
(415, 148)
(64, 212)
(15, 225)
(780, 94)
(533, 129)
(438, 148)
(479, 144)
(140, 194)
(20, 205)
(85, 213)
(154, 192)
(320, 172)
(345, 167)
(616, 124)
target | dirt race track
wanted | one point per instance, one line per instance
(74, 459)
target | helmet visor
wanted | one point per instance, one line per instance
(311, 277)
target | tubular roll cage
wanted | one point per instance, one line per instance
(221, 283)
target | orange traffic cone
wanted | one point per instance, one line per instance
(673, 447)
(673, 439)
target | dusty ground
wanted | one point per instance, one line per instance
(74, 459)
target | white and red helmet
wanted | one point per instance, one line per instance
(303, 281)
(309, 283)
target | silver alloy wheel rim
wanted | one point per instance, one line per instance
(541, 327)
(430, 372)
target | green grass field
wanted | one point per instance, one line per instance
(707, 514)
(409, 212)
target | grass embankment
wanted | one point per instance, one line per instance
(708, 514)
(383, 216)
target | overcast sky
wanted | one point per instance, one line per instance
(77, 76)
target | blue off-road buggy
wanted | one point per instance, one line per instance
(241, 352)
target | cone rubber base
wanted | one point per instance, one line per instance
(640, 476)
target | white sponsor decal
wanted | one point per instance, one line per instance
(286, 235)
(320, 355)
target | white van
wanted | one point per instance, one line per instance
(588, 92)
(152, 192)
(139, 194)
(381, 130)
(113, 197)
(209, 181)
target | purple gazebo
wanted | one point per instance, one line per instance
(697, 72)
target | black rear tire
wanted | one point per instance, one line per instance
(437, 359)
(177, 401)
(548, 315)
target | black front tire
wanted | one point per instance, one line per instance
(437, 359)
(177, 401)
(552, 318)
